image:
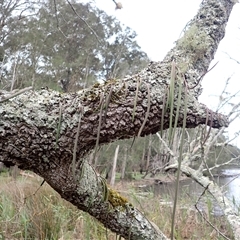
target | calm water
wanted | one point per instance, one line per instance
(233, 188)
(190, 188)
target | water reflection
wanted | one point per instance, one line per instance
(232, 184)
(189, 188)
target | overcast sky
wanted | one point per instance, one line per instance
(159, 23)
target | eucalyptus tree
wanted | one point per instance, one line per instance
(12, 12)
(72, 45)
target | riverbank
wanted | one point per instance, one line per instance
(29, 213)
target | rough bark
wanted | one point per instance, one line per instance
(50, 133)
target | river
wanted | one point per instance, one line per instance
(189, 188)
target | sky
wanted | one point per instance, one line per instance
(159, 23)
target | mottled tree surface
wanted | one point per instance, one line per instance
(50, 133)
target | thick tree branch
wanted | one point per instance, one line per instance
(38, 129)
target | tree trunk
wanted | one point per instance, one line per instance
(50, 133)
(124, 163)
(149, 153)
(113, 172)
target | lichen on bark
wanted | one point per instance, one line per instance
(38, 129)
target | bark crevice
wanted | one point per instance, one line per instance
(38, 129)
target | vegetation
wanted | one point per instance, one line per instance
(30, 212)
(69, 47)
(149, 156)
(53, 46)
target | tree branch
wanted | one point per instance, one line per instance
(30, 135)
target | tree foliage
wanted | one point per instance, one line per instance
(68, 45)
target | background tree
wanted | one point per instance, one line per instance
(56, 47)
(12, 12)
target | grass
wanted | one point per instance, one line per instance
(44, 215)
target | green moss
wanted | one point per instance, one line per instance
(116, 199)
(110, 91)
(96, 85)
(110, 81)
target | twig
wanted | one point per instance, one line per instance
(59, 124)
(223, 164)
(165, 145)
(33, 194)
(201, 77)
(179, 164)
(147, 113)
(139, 82)
(75, 147)
(14, 94)
(215, 228)
(232, 58)
(99, 124)
(209, 130)
(108, 99)
(94, 33)
(164, 109)
(55, 9)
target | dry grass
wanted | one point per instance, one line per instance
(25, 214)
(189, 223)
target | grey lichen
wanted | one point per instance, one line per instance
(194, 44)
